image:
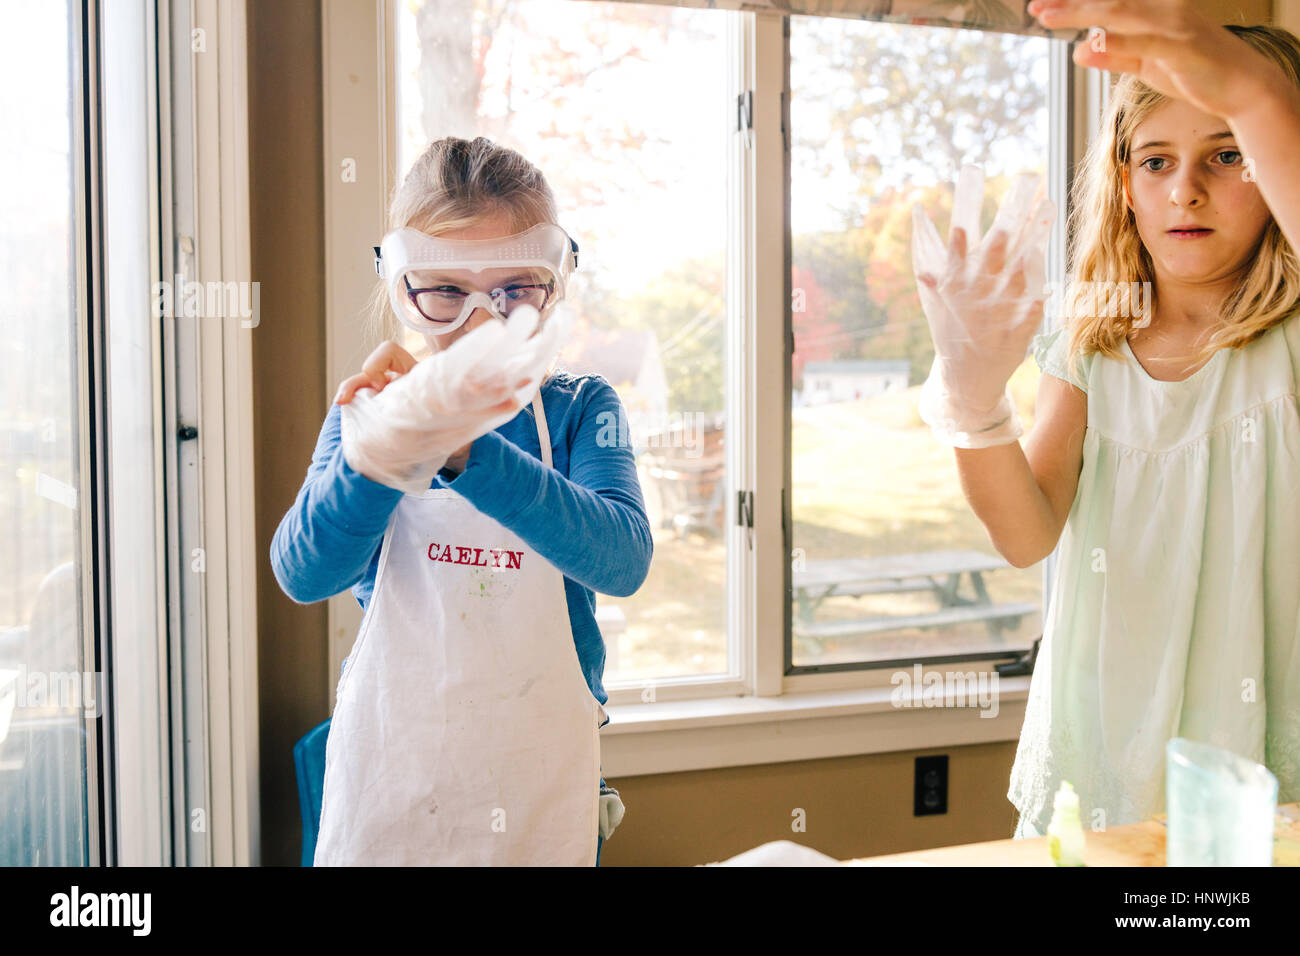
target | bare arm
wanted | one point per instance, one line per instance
(1267, 127)
(1022, 496)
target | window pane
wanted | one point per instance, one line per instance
(45, 686)
(889, 561)
(594, 94)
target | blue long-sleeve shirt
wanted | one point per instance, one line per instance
(586, 515)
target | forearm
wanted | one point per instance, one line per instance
(1001, 489)
(598, 537)
(1267, 128)
(325, 542)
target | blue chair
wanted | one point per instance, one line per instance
(309, 761)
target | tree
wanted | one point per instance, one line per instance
(907, 104)
(816, 336)
(534, 77)
(686, 310)
(895, 111)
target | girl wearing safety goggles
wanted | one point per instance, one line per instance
(466, 724)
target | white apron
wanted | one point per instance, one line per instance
(464, 732)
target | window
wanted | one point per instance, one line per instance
(84, 423)
(49, 688)
(889, 564)
(628, 111)
(664, 132)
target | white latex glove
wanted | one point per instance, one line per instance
(403, 435)
(983, 299)
(611, 812)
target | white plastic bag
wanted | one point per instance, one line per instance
(402, 436)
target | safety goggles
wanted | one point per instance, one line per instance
(530, 268)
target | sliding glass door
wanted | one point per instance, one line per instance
(50, 687)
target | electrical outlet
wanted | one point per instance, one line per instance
(931, 789)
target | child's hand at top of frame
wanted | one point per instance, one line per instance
(1169, 45)
(385, 364)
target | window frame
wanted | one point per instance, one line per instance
(100, 766)
(360, 55)
(208, 376)
(182, 736)
(132, 622)
(1063, 129)
(713, 720)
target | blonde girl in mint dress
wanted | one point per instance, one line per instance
(1164, 463)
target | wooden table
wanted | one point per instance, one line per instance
(939, 572)
(1137, 844)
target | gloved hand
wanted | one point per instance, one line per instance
(983, 300)
(403, 435)
(611, 812)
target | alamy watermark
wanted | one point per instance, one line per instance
(919, 688)
(1127, 300)
(194, 300)
(130, 910)
(54, 690)
(643, 430)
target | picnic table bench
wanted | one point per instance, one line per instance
(939, 572)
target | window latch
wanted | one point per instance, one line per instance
(745, 116)
(1022, 665)
(745, 514)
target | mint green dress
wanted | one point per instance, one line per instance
(1175, 610)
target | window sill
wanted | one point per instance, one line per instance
(681, 735)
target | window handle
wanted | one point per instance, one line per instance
(1022, 665)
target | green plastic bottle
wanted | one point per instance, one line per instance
(1065, 832)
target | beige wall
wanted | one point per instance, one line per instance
(1239, 11)
(1286, 13)
(290, 397)
(855, 805)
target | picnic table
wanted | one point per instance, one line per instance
(939, 572)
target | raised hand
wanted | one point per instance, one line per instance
(983, 299)
(1169, 45)
(387, 362)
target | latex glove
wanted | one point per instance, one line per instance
(611, 812)
(983, 299)
(402, 436)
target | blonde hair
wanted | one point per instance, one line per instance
(453, 184)
(1108, 249)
